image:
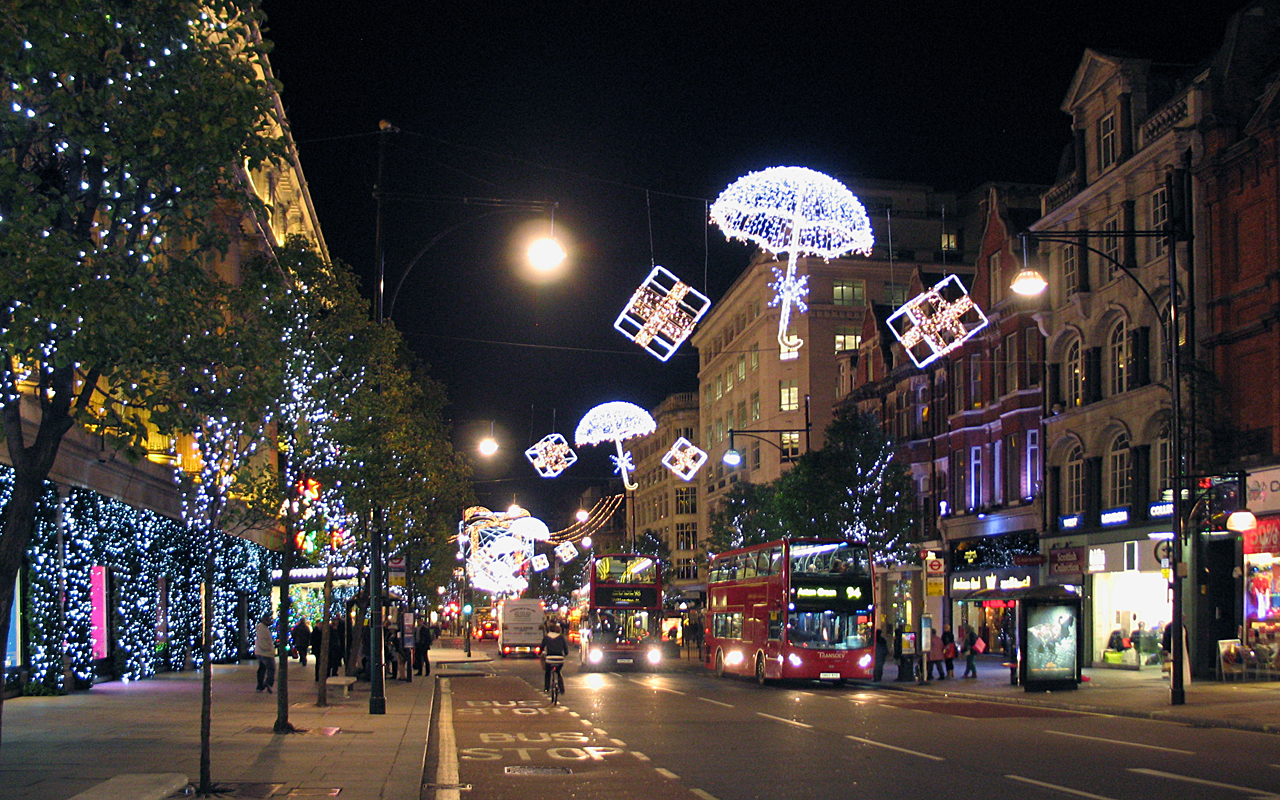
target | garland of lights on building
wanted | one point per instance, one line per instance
(141, 551)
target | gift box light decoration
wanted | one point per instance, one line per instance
(551, 455)
(540, 562)
(662, 313)
(566, 552)
(935, 322)
(796, 211)
(615, 422)
(497, 547)
(684, 459)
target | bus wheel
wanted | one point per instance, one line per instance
(760, 670)
(719, 664)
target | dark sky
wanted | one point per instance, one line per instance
(631, 116)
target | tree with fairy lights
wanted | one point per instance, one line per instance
(124, 138)
(852, 489)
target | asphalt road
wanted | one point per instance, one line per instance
(681, 734)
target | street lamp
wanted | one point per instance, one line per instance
(733, 457)
(488, 445)
(1031, 282)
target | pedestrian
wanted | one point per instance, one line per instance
(934, 657)
(302, 639)
(969, 645)
(949, 650)
(337, 645)
(264, 647)
(422, 648)
(882, 653)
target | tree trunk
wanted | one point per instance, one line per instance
(282, 642)
(206, 667)
(322, 690)
(31, 467)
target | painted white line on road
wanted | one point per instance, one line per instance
(619, 742)
(655, 688)
(1055, 787)
(447, 766)
(599, 731)
(1126, 744)
(891, 747)
(1155, 773)
(586, 722)
(783, 719)
(715, 702)
(666, 773)
(639, 755)
(704, 795)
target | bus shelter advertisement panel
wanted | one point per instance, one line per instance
(1051, 640)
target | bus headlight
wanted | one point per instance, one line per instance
(595, 656)
(865, 661)
(795, 660)
(734, 657)
(654, 656)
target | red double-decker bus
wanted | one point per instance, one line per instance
(619, 609)
(792, 609)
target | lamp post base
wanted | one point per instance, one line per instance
(378, 705)
(1177, 697)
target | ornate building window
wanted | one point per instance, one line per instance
(1073, 475)
(1119, 472)
(1118, 348)
(1074, 379)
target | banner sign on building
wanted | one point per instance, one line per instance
(1064, 561)
(1263, 537)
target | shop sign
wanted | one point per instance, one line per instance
(935, 586)
(1028, 560)
(1114, 516)
(1263, 537)
(972, 584)
(1069, 522)
(1066, 561)
(1097, 559)
(1264, 491)
(1160, 508)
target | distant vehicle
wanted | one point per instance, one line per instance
(520, 627)
(619, 609)
(486, 629)
(792, 609)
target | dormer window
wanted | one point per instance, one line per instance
(1107, 148)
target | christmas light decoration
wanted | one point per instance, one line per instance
(595, 519)
(540, 562)
(661, 314)
(566, 552)
(615, 422)
(796, 211)
(497, 547)
(935, 322)
(551, 455)
(684, 459)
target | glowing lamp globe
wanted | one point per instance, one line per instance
(1029, 283)
(1242, 520)
(488, 446)
(546, 254)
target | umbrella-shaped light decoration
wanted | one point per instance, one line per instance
(615, 422)
(796, 211)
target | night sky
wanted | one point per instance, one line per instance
(632, 117)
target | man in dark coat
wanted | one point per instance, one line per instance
(421, 646)
(301, 639)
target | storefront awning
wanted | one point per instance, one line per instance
(1051, 591)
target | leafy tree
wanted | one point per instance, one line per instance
(852, 489)
(125, 127)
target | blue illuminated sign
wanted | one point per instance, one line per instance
(1114, 516)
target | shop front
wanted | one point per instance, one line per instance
(1262, 590)
(1127, 585)
(982, 601)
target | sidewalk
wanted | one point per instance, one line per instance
(1130, 693)
(57, 747)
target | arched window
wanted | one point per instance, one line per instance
(1118, 349)
(1119, 472)
(1074, 379)
(1073, 474)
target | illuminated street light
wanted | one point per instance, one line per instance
(583, 515)
(546, 254)
(488, 446)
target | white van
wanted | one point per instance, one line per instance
(520, 627)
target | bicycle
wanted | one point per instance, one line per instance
(557, 679)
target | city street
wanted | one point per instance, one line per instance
(671, 733)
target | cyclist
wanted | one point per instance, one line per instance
(554, 650)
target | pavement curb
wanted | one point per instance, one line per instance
(1087, 708)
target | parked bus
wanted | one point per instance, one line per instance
(520, 627)
(795, 608)
(619, 610)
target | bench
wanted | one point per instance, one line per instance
(137, 786)
(341, 680)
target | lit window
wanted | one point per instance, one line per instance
(847, 339)
(754, 353)
(788, 395)
(1070, 269)
(1073, 472)
(1075, 375)
(849, 293)
(1119, 351)
(950, 242)
(755, 406)
(1119, 473)
(790, 445)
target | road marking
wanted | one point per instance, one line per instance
(783, 719)
(1155, 773)
(715, 702)
(586, 722)
(666, 773)
(704, 795)
(655, 688)
(1057, 788)
(891, 747)
(599, 731)
(619, 742)
(447, 766)
(639, 755)
(1127, 744)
